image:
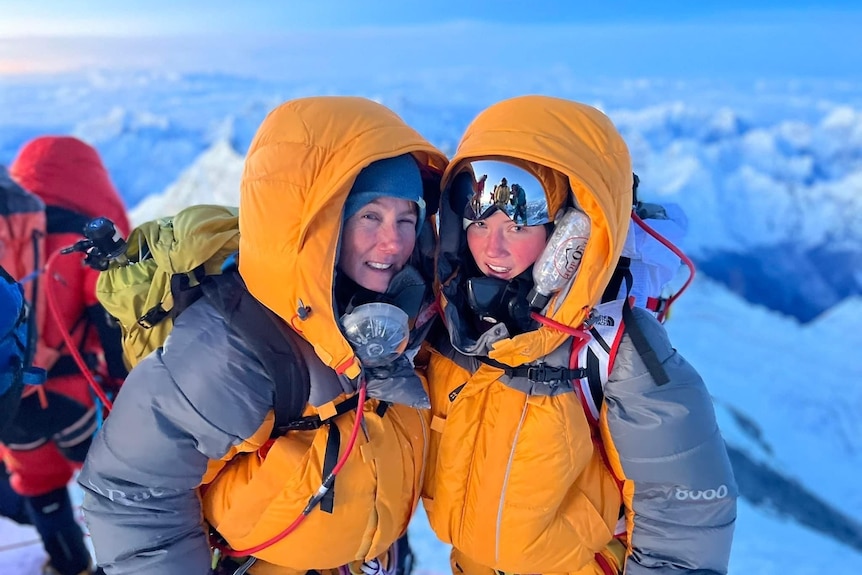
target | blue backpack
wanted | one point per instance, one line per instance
(16, 345)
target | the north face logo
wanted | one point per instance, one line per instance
(604, 320)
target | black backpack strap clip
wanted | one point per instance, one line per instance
(541, 373)
(548, 374)
(153, 316)
(184, 294)
(312, 422)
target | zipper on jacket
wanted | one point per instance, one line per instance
(506, 480)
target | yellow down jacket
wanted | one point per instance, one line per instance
(299, 170)
(196, 413)
(515, 482)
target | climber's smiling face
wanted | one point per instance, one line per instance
(503, 249)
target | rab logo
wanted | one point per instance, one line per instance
(705, 495)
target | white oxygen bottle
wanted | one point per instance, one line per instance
(561, 258)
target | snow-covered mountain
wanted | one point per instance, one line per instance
(212, 178)
(775, 210)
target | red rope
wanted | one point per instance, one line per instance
(685, 259)
(324, 488)
(50, 296)
(605, 565)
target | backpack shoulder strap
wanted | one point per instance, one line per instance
(643, 347)
(272, 341)
(598, 357)
(622, 274)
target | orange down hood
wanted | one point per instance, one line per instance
(571, 148)
(298, 172)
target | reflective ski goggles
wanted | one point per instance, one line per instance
(504, 187)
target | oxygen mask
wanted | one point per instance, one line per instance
(496, 300)
(378, 332)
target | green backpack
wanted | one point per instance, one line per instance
(165, 262)
(170, 263)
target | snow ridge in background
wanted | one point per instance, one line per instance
(746, 185)
(213, 178)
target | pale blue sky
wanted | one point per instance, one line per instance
(98, 17)
(676, 38)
